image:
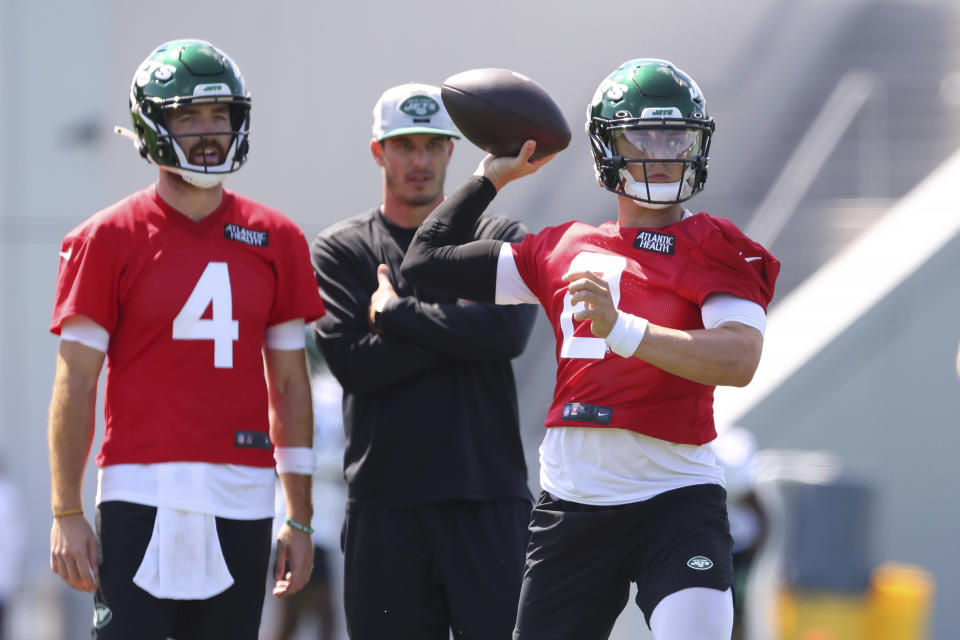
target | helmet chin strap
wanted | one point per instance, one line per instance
(201, 180)
(661, 194)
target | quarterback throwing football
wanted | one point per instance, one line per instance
(650, 313)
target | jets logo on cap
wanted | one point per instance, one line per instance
(419, 106)
(700, 563)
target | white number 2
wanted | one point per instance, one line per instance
(610, 268)
(213, 287)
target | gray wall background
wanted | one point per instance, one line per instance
(880, 397)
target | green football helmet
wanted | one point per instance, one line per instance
(649, 113)
(179, 73)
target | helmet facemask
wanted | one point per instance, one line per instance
(656, 162)
(233, 155)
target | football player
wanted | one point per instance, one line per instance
(188, 291)
(650, 312)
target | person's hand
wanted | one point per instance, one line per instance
(504, 169)
(594, 292)
(75, 552)
(379, 298)
(294, 562)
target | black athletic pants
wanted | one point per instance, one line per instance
(417, 573)
(123, 611)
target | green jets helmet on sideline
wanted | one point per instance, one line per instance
(179, 73)
(649, 112)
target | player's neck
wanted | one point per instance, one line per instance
(405, 215)
(631, 213)
(190, 200)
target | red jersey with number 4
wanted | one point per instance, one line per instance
(187, 304)
(663, 275)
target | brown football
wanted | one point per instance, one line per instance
(499, 109)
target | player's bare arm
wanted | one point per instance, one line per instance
(291, 425)
(725, 355)
(74, 554)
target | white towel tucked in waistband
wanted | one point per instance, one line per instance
(183, 560)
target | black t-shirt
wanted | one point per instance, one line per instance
(429, 404)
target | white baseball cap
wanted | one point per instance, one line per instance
(411, 108)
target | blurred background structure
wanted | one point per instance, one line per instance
(837, 135)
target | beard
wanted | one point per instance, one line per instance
(197, 153)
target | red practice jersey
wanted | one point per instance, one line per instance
(663, 275)
(187, 304)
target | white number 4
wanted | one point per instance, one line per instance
(213, 287)
(609, 267)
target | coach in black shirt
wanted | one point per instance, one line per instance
(438, 503)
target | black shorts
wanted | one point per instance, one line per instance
(417, 573)
(582, 559)
(122, 610)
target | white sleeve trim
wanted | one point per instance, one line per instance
(286, 336)
(85, 331)
(726, 307)
(511, 289)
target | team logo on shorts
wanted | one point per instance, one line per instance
(101, 615)
(700, 563)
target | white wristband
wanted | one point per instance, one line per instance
(300, 460)
(626, 335)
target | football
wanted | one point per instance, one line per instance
(499, 109)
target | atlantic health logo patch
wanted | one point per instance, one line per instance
(253, 237)
(656, 242)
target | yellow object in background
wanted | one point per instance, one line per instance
(897, 606)
(822, 615)
(900, 603)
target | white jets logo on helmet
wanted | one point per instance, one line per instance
(615, 92)
(165, 72)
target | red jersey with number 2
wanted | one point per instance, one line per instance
(187, 304)
(663, 275)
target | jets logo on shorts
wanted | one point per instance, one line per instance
(101, 615)
(700, 563)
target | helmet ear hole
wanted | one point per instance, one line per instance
(609, 171)
(609, 178)
(242, 150)
(700, 178)
(165, 151)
